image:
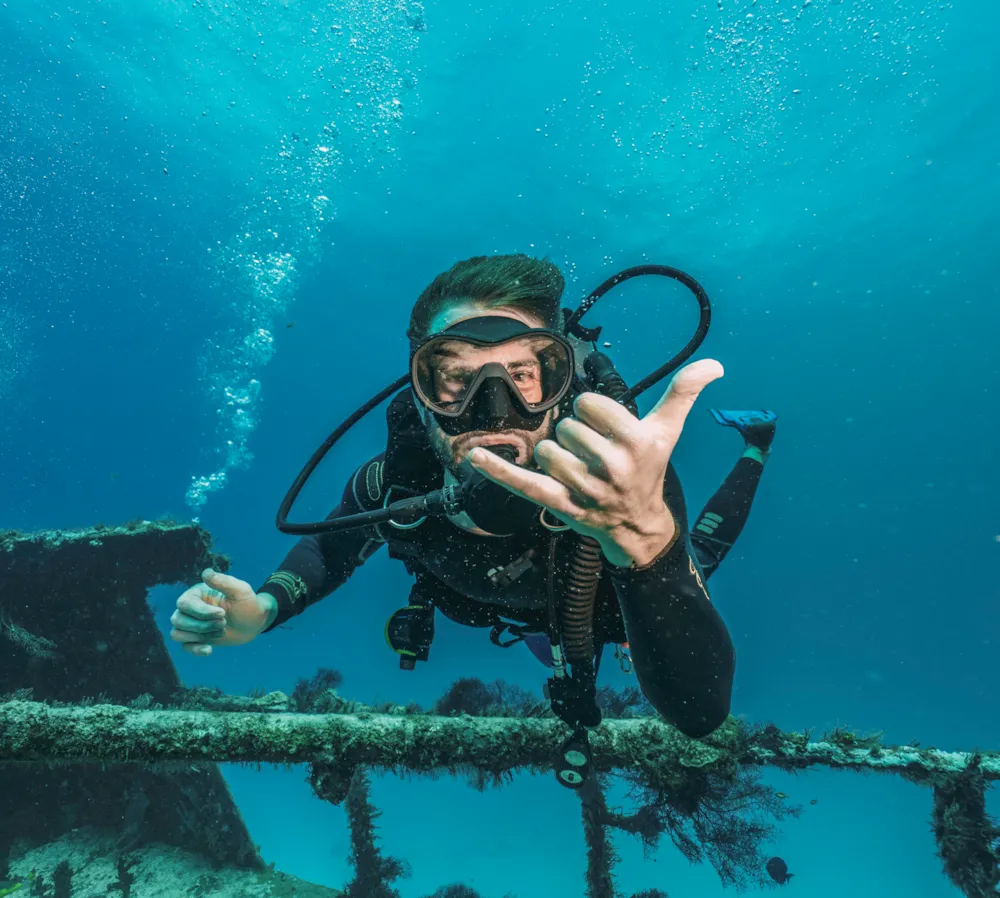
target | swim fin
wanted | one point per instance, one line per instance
(755, 425)
(540, 647)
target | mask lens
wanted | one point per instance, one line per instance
(445, 369)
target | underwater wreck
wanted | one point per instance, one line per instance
(109, 783)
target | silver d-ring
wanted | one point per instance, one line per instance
(392, 523)
(554, 528)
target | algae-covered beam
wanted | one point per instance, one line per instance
(966, 836)
(33, 731)
(601, 854)
(147, 552)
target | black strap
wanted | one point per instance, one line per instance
(550, 588)
(587, 334)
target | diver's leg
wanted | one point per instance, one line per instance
(724, 516)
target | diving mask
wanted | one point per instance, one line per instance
(491, 373)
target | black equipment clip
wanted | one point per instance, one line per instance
(410, 631)
(574, 760)
(573, 700)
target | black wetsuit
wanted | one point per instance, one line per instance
(681, 651)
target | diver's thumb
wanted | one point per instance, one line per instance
(231, 587)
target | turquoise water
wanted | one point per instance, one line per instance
(214, 218)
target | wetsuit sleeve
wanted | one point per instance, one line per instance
(681, 650)
(724, 516)
(317, 565)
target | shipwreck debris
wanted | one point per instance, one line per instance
(116, 733)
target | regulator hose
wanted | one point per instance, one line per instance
(577, 613)
(580, 600)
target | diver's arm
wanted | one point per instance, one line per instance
(681, 650)
(319, 564)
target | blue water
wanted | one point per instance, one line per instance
(180, 182)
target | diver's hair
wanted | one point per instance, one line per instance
(494, 282)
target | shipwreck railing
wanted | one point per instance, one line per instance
(705, 795)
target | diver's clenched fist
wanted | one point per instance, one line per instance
(221, 610)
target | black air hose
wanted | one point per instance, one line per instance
(607, 381)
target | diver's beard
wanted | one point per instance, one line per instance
(442, 450)
(447, 449)
(488, 507)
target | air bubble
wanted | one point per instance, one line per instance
(281, 234)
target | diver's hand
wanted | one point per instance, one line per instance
(603, 473)
(220, 611)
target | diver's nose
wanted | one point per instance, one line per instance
(494, 405)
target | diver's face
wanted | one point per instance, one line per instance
(453, 451)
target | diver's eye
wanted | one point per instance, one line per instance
(453, 382)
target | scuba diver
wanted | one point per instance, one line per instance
(524, 494)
